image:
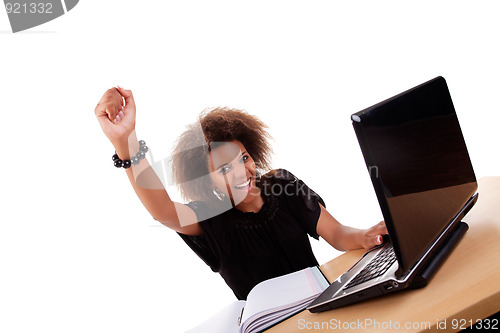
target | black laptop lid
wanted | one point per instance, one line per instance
(419, 165)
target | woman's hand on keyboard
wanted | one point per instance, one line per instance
(373, 236)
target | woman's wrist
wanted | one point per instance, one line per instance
(127, 147)
(361, 238)
(349, 238)
(135, 160)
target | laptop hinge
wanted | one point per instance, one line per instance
(446, 237)
(438, 258)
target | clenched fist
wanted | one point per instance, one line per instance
(116, 114)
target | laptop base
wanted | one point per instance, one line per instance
(420, 280)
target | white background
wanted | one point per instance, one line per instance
(79, 253)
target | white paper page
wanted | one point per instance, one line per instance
(274, 318)
(225, 320)
(284, 290)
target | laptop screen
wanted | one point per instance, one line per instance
(418, 163)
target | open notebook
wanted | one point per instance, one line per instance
(268, 303)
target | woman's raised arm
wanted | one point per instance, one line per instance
(116, 115)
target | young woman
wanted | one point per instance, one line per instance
(245, 223)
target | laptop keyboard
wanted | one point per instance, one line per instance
(375, 268)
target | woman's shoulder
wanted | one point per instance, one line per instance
(205, 213)
(280, 181)
(285, 184)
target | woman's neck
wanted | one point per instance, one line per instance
(254, 205)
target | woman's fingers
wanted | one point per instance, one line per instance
(127, 95)
(372, 241)
(377, 240)
(110, 104)
(116, 114)
(104, 121)
(384, 230)
(374, 235)
(381, 228)
(119, 117)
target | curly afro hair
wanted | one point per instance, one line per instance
(190, 157)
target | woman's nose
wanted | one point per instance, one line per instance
(240, 173)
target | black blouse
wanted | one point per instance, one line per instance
(247, 248)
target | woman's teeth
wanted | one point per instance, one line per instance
(245, 184)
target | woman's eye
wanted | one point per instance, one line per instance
(244, 158)
(225, 169)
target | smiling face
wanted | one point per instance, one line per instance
(233, 172)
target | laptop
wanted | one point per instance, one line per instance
(424, 181)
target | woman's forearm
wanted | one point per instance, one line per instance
(349, 238)
(146, 183)
(116, 115)
(345, 238)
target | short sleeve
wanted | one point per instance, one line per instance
(202, 245)
(303, 201)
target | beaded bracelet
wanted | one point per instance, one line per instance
(141, 154)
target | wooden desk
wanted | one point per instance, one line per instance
(466, 287)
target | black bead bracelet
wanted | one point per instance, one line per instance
(141, 154)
